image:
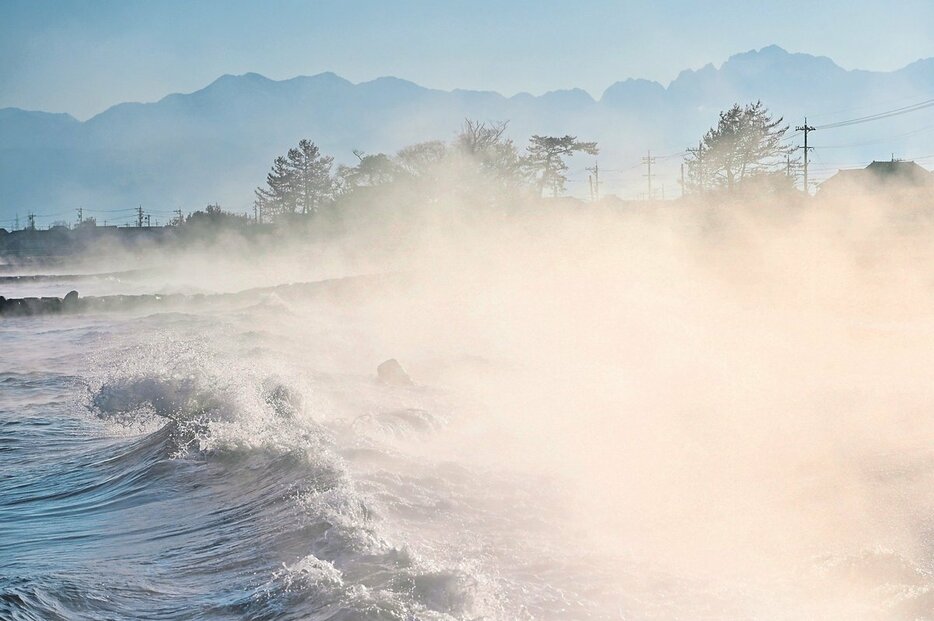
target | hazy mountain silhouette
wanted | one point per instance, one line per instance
(217, 143)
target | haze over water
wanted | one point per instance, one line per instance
(612, 416)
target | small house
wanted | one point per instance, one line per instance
(899, 180)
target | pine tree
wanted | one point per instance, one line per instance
(545, 159)
(310, 174)
(746, 144)
(299, 182)
(278, 197)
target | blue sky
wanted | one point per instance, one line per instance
(82, 56)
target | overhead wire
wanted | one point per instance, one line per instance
(879, 115)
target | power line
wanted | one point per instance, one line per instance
(123, 210)
(671, 155)
(914, 132)
(869, 106)
(879, 115)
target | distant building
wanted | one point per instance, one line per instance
(897, 179)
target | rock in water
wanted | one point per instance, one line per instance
(391, 372)
(70, 302)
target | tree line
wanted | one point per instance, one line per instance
(481, 164)
(745, 149)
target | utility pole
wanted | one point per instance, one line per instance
(31, 222)
(595, 184)
(80, 215)
(806, 129)
(682, 179)
(648, 161)
(139, 217)
(147, 220)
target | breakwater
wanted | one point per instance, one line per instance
(72, 302)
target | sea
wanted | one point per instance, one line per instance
(241, 459)
(237, 457)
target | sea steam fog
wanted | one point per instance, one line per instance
(708, 410)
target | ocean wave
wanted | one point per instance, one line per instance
(240, 475)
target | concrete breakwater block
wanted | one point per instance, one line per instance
(72, 303)
(30, 306)
(339, 288)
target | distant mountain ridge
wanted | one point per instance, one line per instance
(216, 144)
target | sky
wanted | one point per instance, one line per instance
(82, 56)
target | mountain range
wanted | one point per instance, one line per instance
(216, 144)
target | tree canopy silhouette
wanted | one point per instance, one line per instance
(298, 182)
(746, 144)
(545, 159)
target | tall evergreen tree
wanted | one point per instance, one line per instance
(278, 197)
(299, 182)
(310, 174)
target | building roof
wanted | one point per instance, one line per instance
(901, 169)
(884, 175)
